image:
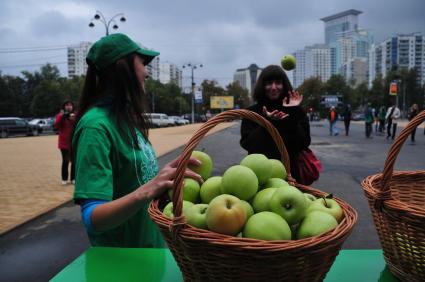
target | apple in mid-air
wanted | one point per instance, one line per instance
(288, 62)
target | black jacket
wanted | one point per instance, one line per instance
(294, 130)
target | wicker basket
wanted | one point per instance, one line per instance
(397, 202)
(203, 255)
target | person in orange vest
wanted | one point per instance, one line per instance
(333, 118)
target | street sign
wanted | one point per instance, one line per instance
(221, 102)
(187, 90)
(198, 97)
(331, 100)
(393, 88)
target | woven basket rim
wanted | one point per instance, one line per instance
(370, 183)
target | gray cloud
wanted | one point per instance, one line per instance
(223, 35)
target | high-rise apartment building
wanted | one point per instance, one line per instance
(345, 39)
(77, 59)
(247, 77)
(312, 61)
(169, 72)
(404, 51)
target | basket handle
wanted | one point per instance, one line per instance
(385, 192)
(229, 115)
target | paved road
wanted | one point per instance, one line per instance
(39, 249)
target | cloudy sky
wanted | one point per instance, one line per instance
(222, 35)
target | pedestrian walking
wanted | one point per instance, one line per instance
(347, 118)
(381, 116)
(392, 116)
(369, 118)
(412, 113)
(333, 118)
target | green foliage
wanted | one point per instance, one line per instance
(47, 100)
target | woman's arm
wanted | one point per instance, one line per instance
(112, 214)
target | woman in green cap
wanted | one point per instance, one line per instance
(116, 168)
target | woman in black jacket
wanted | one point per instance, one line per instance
(280, 104)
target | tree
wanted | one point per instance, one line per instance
(210, 88)
(378, 94)
(10, 96)
(312, 89)
(336, 85)
(47, 99)
(240, 95)
(362, 95)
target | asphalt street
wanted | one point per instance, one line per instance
(39, 249)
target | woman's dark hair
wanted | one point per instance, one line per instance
(270, 73)
(119, 87)
(66, 103)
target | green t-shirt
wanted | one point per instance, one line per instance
(107, 168)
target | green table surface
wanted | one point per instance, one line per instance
(120, 264)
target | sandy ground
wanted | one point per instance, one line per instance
(30, 182)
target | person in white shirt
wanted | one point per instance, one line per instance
(392, 116)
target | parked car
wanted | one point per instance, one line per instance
(358, 116)
(159, 120)
(42, 124)
(10, 126)
(197, 117)
(179, 120)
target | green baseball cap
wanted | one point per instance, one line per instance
(110, 48)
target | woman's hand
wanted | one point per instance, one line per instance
(276, 115)
(165, 178)
(294, 99)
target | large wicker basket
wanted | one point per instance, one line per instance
(203, 255)
(397, 202)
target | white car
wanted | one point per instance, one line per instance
(178, 120)
(43, 124)
(159, 120)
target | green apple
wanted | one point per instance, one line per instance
(262, 199)
(239, 181)
(248, 209)
(275, 183)
(168, 210)
(278, 169)
(267, 226)
(206, 166)
(289, 203)
(327, 205)
(288, 62)
(210, 189)
(226, 215)
(190, 190)
(197, 216)
(310, 198)
(316, 223)
(260, 165)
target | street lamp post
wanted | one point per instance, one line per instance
(192, 67)
(99, 16)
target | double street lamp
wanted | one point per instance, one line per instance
(99, 17)
(192, 67)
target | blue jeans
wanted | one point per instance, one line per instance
(333, 130)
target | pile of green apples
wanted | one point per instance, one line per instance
(252, 200)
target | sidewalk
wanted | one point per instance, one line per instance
(30, 172)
